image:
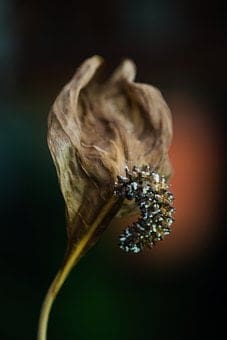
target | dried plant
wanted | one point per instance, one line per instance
(97, 130)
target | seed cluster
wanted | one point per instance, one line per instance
(151, 194)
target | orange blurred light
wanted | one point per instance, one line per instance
(195, 184)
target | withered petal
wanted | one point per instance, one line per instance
(95, 129)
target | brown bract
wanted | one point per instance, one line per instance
(97, 128)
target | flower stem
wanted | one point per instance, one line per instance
(72, 258)
(46, 307)
(53, 291)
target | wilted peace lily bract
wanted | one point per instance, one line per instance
(96, 129)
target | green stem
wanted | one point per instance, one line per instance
(53, 291)
(70, 261)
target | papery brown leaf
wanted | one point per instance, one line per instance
(95, 129)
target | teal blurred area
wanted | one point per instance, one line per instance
(176, 291)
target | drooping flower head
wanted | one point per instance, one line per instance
(97, 129)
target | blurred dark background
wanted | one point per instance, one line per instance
(176, 291)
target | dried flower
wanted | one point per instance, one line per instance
(96, 129)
